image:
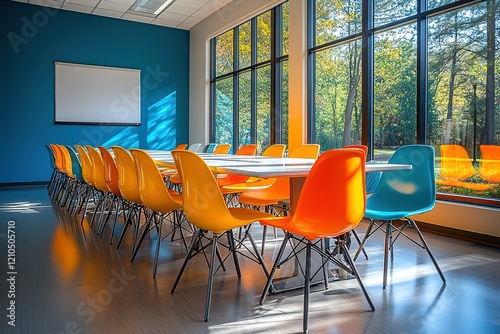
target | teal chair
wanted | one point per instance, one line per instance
(399, 195)
(54, 177)
(209, 148)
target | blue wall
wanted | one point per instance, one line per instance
(34, 38)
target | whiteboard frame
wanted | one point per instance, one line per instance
(112, 107)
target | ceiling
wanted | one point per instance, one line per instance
(181, 14)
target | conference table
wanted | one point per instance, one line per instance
(297, 170)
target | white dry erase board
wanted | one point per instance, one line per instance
(88, 94)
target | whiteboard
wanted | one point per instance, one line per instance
(88, 94)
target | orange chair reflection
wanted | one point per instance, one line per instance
(489, 165)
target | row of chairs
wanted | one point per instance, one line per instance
(321, 213)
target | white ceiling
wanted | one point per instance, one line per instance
(182, 14)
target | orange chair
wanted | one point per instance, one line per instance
(164, 203)
(222, 149)
(205, 208)
(275, 150)
(455, 162)
(111, 178)
(63, 177)
(99, 183)
(322, 213)
(181, 147)
(456, 166)
(489, 165)
(249, 149)
(278, 192)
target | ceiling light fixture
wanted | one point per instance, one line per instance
(149, 7)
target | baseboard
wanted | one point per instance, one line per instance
(23, 184)
(487, 240)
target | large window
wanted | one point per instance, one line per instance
(389, 73)
(249, 82)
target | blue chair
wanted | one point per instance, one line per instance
(399, 195)
(209, 148)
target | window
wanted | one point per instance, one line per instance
(249, 81)
(389, 73)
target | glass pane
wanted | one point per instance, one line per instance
(387, 11)
(224, 53)
(285, 32)
(284, 102)
(264, 37)
(463, 63)
(244, 110)
(263, 107)
(336, 19)
(436, 3)
(224, 111)
(245, 45)
(395, 89)
(338, 96)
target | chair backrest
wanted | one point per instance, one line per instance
(275, 150)
(222, 149)
(281, 188)
(127, 175)
(87, 170)
(110, 171)
(97, 169)
(455, 162)
(248, 149)
(332, 200)
(305, 151)
(489, 166)
(373, 178)
(410, 190)
(152, 189)
(68, 168)
(59, 158)
(194, 147)
(52, 156)
(203, 203)
(75, 163)
(209, 148)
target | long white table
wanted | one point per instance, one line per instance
(264, 167)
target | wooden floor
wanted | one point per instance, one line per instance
(69, 280)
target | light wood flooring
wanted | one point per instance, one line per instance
(70, 280)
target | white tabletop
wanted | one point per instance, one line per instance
(259, 166)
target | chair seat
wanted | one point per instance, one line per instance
(390, 214)
(248, 216)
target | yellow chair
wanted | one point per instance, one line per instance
(129, 187)
(489, 165)
(205, 208)
(278, 192)
(164, 203)
(87, 173)
(222, 149)
(322, 213)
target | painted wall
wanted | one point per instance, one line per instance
(34, 37)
